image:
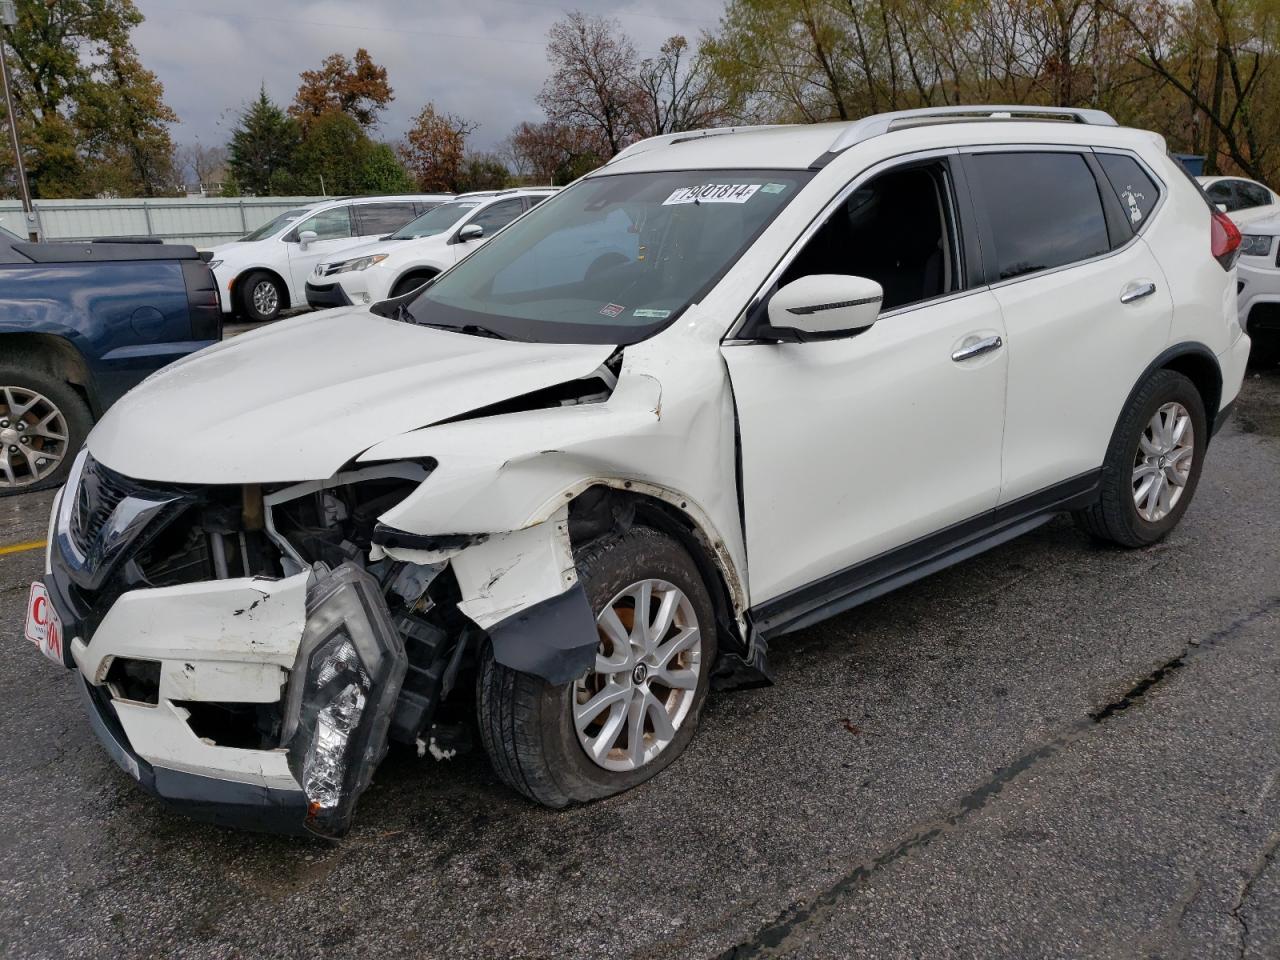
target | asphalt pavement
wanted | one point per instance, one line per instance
(1055, 750)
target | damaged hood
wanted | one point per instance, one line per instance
(300, 398)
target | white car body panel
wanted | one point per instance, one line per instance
(311, 393)
(849, 448)
(215, 641)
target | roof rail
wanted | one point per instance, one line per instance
(882, 123)
(668, 139)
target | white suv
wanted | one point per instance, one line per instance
(419, 250)
(266, 271)
(830, 360)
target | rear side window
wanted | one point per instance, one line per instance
(1252, 194)
(1138, 193)
(1043, 209)
(378, 218)
(1222, 193)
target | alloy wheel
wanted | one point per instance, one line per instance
(266, 298)
(1162, 463)
(33, 437)
(629, 708)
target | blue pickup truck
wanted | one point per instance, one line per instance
(81, 323)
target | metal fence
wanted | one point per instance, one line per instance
(201, 221)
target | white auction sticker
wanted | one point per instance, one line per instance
(713, 193)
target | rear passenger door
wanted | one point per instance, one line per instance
(1086, 307)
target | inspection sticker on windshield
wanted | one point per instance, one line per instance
(611, 309)
(651, 314)
(713, 193)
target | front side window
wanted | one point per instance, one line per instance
(274, 225)
(333, 224)
(613, 259)
(1044, 210)
(436, 220)
(497, 215)
(896, 229)
(375, 219)
(1138, 193)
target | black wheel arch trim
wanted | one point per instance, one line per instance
(286, 299)
(1187, 348)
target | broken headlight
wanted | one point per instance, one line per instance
(350, 666)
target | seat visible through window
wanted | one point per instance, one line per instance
(892, 230)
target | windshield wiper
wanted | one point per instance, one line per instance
(474, 329)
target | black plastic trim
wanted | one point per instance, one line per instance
(1223, 416)
(872, 578)
(554, 639)
(321, 298)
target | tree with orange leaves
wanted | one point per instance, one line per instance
(357, 87)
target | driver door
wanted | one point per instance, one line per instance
(854, 447)
(334, 233)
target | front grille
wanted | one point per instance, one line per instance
(100, 492)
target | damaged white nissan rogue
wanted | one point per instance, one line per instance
(557, 494)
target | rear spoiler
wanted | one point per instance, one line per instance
(104, 251)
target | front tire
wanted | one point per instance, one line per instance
(1153, 464)
(261, 297)
(635, 712)
(43, 423)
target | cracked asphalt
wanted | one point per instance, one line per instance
(1055, 750)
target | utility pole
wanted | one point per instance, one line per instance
(8, 19)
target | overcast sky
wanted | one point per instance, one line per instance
(482, 59)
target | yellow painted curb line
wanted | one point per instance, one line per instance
(23, 547)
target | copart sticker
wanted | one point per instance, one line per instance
(713, 193)
(651, 314)
(611, 309)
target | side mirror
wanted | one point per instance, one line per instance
(472, 231)
(826, 305)
(307, 237)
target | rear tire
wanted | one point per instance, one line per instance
(41, 418)
(1147, 482)
(261, 297)
(538, 734)
(1265, 350)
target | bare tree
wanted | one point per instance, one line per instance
(593, 67)
(676, 91)
(205, 166)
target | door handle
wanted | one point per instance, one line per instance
(977, 349)
(1137, 291)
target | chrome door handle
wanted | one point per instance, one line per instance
(1137, 290)
(977, 349)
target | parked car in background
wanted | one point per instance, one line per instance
(838, 358)
(1258, 286)
(266, 271)
(81, 323)
(419, 250)
(1232, 194)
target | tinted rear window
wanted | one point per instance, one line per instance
(1043, 208)
(1138, 193)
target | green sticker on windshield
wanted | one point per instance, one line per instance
(773, 188)
(652, 314)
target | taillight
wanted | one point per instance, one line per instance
(1224, 240)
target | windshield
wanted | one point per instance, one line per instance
(613, 259)
(271, 226)
(437, 220)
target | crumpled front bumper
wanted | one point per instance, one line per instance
(230, 803)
